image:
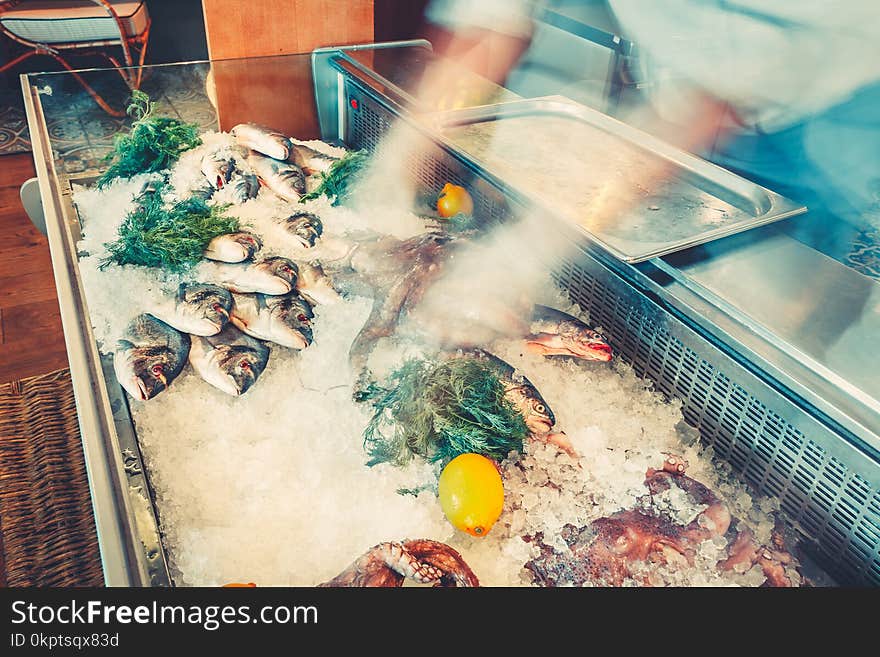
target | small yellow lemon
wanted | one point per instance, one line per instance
(471, 493)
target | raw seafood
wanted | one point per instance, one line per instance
(284, 320)
(423, 561)
(555, 333)
(233, 247)
(274, 275)
(149, 356)
(520, 392)
(262, 139)
(285, 179)
(313, 284)
(243, 186)
(400, 273)
(230, 361)
(217, 169)
(197, 308)
(308, 159)
(609, 550)
(305, 226)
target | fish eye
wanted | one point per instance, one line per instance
(540, 408)
(243, 364)
(157, 369)
(286, 269)
(301, 317)
(217, 307)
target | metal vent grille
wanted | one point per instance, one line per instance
(835, 510)
(433, 167)
(827, 502)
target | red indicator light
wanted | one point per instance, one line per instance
(354, 103)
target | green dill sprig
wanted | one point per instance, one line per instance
(337, 180)
(438, 410)
(173, 237)
(153, 144)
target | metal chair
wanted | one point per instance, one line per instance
(77, 27)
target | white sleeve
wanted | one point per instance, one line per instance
(774, 61)
(507, 16)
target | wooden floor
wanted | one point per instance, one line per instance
(31, 340)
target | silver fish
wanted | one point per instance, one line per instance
(149, 356)
(262, 139)
(230, 361)
(555, 333)
(285, 319)
(218, 169)
(304, 226)
(313, 284)
(243, 186)
(310, 160)
(233, 247)
(274, 275)
(285, 179)
(197, 308)
(520, 392)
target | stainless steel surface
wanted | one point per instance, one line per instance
(573, 161)
(328, 79)
(122, 558)
(818, 311)
(757, 405)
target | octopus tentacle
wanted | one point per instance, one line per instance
(402, 561)
(454, 570)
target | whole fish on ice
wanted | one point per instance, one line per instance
(233, 247)
(197, 308)
(284, 320)
(520, 392)
(555, 333)
(273, 275)
(230, 361)
(263, 140)
(243, 186)
(285, 179)
(218, 169)
(310, 160)
(313, 284)
(304, 226)
(149, 356)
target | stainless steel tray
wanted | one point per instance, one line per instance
(590, 169)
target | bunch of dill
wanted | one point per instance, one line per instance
(154, 143)
(337, 180)
(173, 237)
(438, 410)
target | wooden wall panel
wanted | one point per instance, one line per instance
(279, 27)
(276, 92)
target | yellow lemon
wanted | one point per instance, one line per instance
(471, 493)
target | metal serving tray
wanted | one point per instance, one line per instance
(590, 170)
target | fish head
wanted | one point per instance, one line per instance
(306, 227)
(209, 304)
(249, 242)
(240, 366)
(281, 268)
(571, 339)
(295, 315)
(590, 345)
(143, 371)
(537, 415)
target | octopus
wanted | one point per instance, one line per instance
(400, 272)
(423, 561)
(606, 551)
